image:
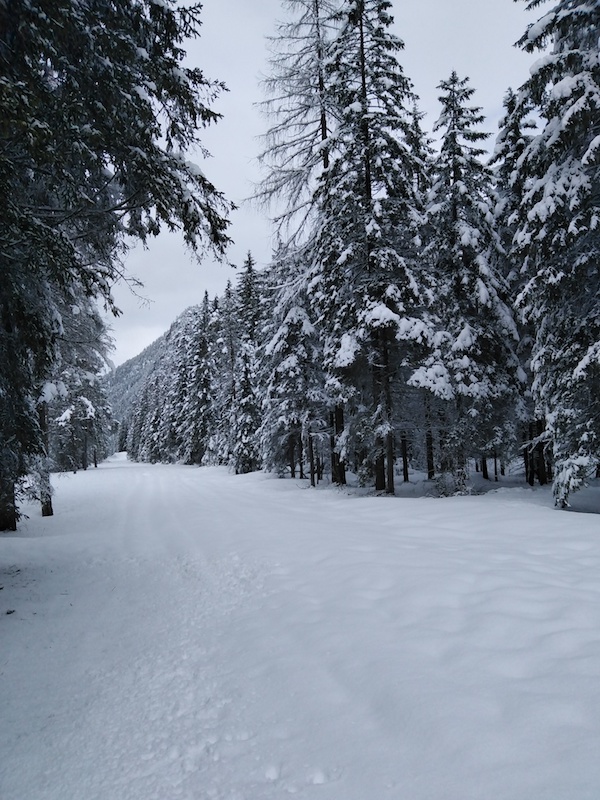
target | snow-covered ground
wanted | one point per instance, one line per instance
(184, 633)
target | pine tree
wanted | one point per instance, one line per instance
(557, 240)
(299, 107)
(196, 415)
(514, 137)
(364, 285)
(97, 112)
(225, 334)
(79, 415)
(294, 401)
(245, 411)
(472, 364)
(303, 110)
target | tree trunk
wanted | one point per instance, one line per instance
(339, 429)
(495, 467)
(429, 454)
(529, 460)
(379, 466)
(389, 457)
(320, 468)
(8, 504)
(311, 460)
(379, 445)
(45, 487)
(301, 458)
(541, 455)
(84, 453)
(484, 469)
(389, 437)
(333, 454)
(292, 457)
(446, 462)
(404, 447)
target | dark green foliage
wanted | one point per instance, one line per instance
(96, 110)
(557, 239)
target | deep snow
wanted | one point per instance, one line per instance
(185, 633)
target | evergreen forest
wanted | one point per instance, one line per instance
(428, 307)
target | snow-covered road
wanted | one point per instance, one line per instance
(185, 633)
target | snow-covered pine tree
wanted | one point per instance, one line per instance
(74, 393)
(94, 128)
(472, 365)
(173, 418)
(364, 285)
(299, 108)
(224, 328)
(294, 402)
(558, 240)
(514, 137)
(245, 412)
(196, 416)
(78, 410)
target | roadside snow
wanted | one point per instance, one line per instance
(184, 633)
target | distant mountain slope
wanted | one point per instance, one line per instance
(125, 383)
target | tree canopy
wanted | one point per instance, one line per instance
(99, 120)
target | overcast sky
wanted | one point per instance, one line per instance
(474, 37)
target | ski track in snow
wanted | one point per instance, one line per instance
(184, 633)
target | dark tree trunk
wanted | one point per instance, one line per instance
(379, 442)
(84, 453)
(541, 466)
(45, 487)
(95, 455)
(379, 467)
(495, 467)
(430, 459)
(460, 470)
(484, 468)
(292, 457)
(338, 427)
(301, 458)
(446, 462)
(334, 459)
(530, 460)
(389, 458)
(8, 504)
(387, 392)
(311, 460)
(404, 448)
(429, 439)
(541, 455)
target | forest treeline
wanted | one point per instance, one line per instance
(425, 305)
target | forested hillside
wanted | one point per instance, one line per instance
(124, 384)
